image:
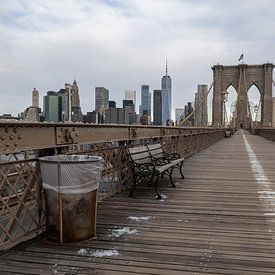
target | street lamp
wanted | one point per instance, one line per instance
(256, 109)
(224, 100)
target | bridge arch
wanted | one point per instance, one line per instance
(242, 77)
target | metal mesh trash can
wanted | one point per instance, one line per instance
(70, 183)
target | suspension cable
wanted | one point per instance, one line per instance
(248, 107)
(256, 115)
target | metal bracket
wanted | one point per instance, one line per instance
(132, 133)
(10, 138)
(66, 135)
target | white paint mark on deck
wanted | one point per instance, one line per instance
(266, 194)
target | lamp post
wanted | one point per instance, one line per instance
(224, 100)
(256, 109)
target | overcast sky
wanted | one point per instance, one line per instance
(123, 44)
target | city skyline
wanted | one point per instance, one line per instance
(125, 44)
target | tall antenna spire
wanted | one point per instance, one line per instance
(166, 68)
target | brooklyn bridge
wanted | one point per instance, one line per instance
(219, 218)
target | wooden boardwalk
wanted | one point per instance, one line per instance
(219, 220)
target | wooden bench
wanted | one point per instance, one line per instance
(149, 162)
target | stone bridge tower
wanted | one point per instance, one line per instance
(242, 77)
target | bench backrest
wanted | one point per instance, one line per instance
(140, 154)
(156, 150)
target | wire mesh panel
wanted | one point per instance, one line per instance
(22, 214)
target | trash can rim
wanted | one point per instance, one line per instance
(56, 159)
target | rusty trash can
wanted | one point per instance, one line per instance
(70, 183)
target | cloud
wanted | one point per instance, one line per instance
(123, 44)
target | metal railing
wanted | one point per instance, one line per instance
(268, 133)
(22, 206)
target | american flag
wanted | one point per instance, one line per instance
(241, 57)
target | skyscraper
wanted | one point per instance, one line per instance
(129, 105)
(112, 104)
(74, 102)
(179, 113)
(188, 109)
(200, 116)
(101, 102)
(52, 105)
(101, 99)
(75, 95)
(71, 110)
(117, 116)
(33, 112)
(157, 108)
(145, 109)
(63, 93)
(131, 95)
(35, 98)
(166, 86)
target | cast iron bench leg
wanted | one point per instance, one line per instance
(182, 176)
(171, 178)
(158, 196)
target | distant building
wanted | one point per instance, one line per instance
(32, 114)
(90, 117)
(188, 109)
(117, 116)
(63, 93)
(73, 102)
(9, 117)
(71, 110)
(112, 104)
(129, 104)
(179, 114)
(52, 107)
(200, 115)
(111, 116)
(166, 90)
(145, 101)
(133, 118)
(157, 107)
(131, 95)
(35, 98)
(144, 120)
(101, 102)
